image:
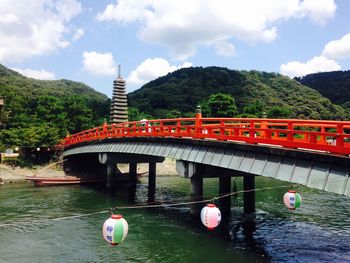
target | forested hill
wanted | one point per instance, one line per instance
(253, 92)
(39, 113)
(13, 82)
(333, 85)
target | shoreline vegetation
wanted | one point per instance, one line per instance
(16, 174)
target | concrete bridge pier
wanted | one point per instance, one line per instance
(133, 173)
(196, 173)
(249, 193)
(151, 181)
(196, 194)
(132, 181)
(110, 176)
(224, 189)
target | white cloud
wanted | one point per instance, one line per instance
(78, 34)
(99, 64)
(316, 64)
(224, 48)
(338, 49)
(36, 74)
(9, 19)
(319, 11)
(151, 69)
(183, 25)
(33, 28)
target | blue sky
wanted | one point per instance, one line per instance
(85, 40)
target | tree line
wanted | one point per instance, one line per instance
(248, 92)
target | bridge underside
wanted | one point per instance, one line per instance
(313, 169)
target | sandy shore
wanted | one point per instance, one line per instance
(10, 174)
(167, 168)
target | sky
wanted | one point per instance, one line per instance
(86, 40)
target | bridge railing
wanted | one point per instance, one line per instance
(328, 136)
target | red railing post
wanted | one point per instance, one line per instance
(198, 122)
(178, 127)
(263, 126)
(252, 129)
(312, 138)
(290, 131)
(161, 128)
(322, 137)
(340, 138)
(222, 129)
(104, 128)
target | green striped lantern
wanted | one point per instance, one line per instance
(115, 229)
(292, 199)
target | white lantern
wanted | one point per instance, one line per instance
(292, 199)
(115, 229)
(210, 216)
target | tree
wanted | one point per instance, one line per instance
(135, 115)
(79, 116)
(279, 112)
(51, 110)
(173, 114)
(254, 109)
(222, 105)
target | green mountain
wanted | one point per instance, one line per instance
(40, 113)
(253, 92)
(333, 85)
(16, 86)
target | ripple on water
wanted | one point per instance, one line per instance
(317, 232)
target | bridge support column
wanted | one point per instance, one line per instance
(249, 197)
(133, 173)
(196, 195)
(132, 181)
(109, 175)
(225, 202)
(151, 181)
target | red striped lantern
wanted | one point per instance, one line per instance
(210, 216)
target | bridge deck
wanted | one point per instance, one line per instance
(326, 136)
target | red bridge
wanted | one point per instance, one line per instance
(327, 136)
(309, 152)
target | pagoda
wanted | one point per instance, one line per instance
(119, 106)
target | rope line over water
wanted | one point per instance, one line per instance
(141, 206)
(207, 199)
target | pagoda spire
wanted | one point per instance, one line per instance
(119, 106)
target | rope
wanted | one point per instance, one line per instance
(140, 207)
(52, 219)
(207, 200)
(46, 167)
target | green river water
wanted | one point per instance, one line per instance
(319, 231)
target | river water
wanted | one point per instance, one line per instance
(319, 231)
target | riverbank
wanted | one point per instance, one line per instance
(13, 174)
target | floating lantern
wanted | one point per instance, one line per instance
(210, 216)
(292, 199)
(115, 229)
